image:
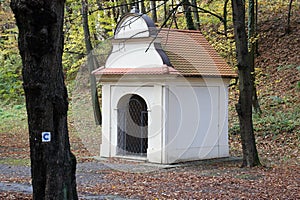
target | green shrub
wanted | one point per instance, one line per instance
(277, 122)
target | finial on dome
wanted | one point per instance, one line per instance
(134, 10)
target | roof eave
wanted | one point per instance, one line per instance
(230, 76)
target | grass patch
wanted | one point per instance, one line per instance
(284, 67)
(13, 118)
(280, 115)
(15, 162)
(277, 122)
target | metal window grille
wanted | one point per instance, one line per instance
(133, 128)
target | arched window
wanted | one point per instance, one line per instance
(132, 126)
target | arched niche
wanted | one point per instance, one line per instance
(132, 137)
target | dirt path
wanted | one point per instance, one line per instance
(88, 174)
(210, 179)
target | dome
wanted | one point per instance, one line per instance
(135, 25)
(136, 45)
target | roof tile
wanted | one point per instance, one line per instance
(192, 55)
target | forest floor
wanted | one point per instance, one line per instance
(277, 134)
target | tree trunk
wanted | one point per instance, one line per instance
(288, 27)
(124, 9)
(188, 16)
(256, 22)
(175, 20)
(136, 4)
(115, 11)
(196, 14)
(91, 63)
(244, 106)
(165, 11)
(53, 166)
(142, 7)
(225, 18)
(252, 46)
(153, 11)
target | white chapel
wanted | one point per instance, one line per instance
(164, 95)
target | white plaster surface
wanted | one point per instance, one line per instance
(186, 120)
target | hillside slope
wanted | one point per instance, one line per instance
(278, 83)
(279, 59)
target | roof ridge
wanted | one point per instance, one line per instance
(181, 30)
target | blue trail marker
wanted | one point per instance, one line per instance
(46, 136)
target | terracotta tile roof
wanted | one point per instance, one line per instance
(130, 71)
(192, 55)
